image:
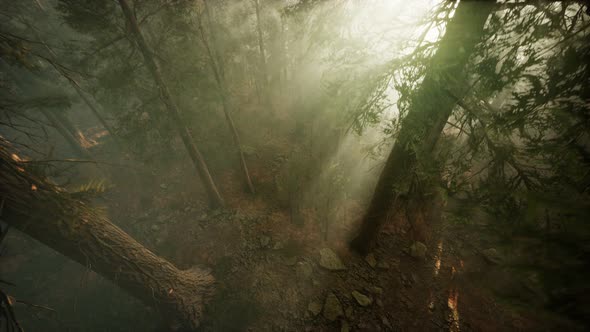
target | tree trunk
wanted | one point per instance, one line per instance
(284, 62)
(214, 40)
(238, 145)
(81, 233)
(261, 44)
(221, 86)
(431, 107)
(185, 135)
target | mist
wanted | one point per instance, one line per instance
(301, 165)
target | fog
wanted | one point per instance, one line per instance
(301, 165)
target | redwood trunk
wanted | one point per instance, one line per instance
(79, 232)
(185, 135)
(431, 107)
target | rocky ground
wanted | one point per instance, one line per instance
(272, 275)
(275, 276)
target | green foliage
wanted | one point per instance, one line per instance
(517, 146)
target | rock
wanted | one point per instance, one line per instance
(375, 290)
(532, 282)
(290, 260)
(386, 323)
(349, 312)
(264, 241)
(418, 250)
(163, 186)
(370, 259)
(217, 212)
(314, 308)
(404, 280)
(383, 265)
(492, 255)
(332, 308)
(278, 246)
(329, 260)
(362, 299)
(155, 228)
(344, 327)
(534, 285)
(159, 241)
(303, 270)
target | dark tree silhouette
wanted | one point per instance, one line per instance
(431, 107)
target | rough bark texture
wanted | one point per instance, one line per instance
(431, 107)
(68, 225)
(185, 135)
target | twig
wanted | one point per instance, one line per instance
(10, 316)
(69, 160)
(35, 305)
(6, 282)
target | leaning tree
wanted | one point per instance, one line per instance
(68, 223)
(431, 105)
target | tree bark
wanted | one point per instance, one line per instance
(71, 227)
(174, 112)
(430, 109)
(221, 86)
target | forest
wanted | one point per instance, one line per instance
(294, 165)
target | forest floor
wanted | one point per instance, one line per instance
(272, 275)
